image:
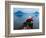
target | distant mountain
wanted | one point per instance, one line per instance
(36, 13)
(19, 13)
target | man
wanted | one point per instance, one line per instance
(28, 24)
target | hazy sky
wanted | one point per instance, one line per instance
(26, 10)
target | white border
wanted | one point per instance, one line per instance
(25, 31)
